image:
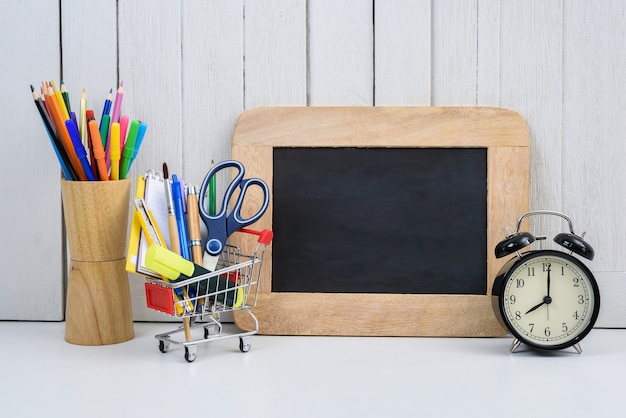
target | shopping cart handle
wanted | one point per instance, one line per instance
(265, 236)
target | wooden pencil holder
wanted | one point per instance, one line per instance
(98, 307)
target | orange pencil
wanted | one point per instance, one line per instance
(98, 150)
(57, 120)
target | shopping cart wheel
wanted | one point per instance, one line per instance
(244, 344)
(163, 346)
(190, 353)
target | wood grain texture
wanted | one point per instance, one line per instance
(191, 67)
(501, 131)
(275, 53)
(340, 53)
(455, 34)
(402, 70)
(30, 213)
(593, 169)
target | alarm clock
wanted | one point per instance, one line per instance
(546, 299)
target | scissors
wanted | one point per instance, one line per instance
(221, 225)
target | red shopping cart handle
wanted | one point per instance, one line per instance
(265, 236)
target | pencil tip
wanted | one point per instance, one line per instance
(32, 88)
(166, 173)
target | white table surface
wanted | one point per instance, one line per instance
(41, 375)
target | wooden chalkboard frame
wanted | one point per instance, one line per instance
(501, 131)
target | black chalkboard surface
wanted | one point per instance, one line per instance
(380, 220)
(394, 234)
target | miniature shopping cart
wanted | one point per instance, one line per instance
(233, 286)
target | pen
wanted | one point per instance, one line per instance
(79, 148)
(123, 130)
(193, 225)
(129, 148)
(141, 132)
(104, 130)
(181, 223)
(98, 151)
(171, 217)
(174, 238)
(115, 151)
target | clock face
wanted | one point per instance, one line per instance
(549, 300)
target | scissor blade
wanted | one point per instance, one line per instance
(209, 261)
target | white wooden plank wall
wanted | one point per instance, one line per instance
(190, 67)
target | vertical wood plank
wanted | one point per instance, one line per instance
(531, 83)
(150, 67)
(402, 49)
(488, 54)
(89, 36)
(30, 215)
(275, 53)
(455, 31)
(594, 173)
(212, 73)
(341, 53)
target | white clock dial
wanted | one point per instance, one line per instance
(549, 299)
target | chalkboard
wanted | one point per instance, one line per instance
(324, 290)
(382, 220)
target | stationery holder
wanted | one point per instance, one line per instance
(98, 306)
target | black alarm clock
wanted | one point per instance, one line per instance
(547, 299)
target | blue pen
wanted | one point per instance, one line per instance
(181, 223)
(79, 148)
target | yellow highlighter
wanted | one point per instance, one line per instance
(177, 268)
(154, 237)
(115, 152)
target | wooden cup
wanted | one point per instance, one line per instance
(98, 308)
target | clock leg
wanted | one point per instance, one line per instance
(577, 348)
(516, 343)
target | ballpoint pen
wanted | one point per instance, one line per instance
(181, 222)
(174, 239)
(193, 225)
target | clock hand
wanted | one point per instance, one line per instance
(535, 307)
(549, 280)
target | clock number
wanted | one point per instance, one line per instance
(546, 266)
(564, 325)
(581, 299)
(518, 315)
(547, 331)
(531, 271)
(576, 316)
(562, 271)
(512, 299)
(576, 281)
(532, 327)
(519, 283)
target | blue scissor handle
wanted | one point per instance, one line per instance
(221, 226)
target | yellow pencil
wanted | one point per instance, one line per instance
(60, 100)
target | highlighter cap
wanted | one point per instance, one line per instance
(167, 263)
